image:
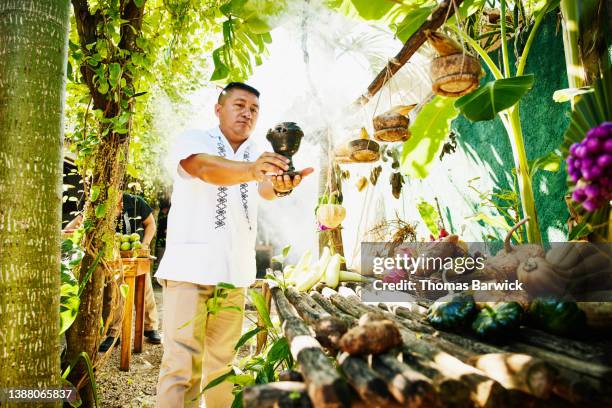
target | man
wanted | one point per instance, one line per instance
(135, 216)
(212, 226)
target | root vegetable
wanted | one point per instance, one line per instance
(371, 338)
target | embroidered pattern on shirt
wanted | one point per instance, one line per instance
(244, 192)
(221, 206)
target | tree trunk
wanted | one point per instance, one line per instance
(110, 159)
(33, 54)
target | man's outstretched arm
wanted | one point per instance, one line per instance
(223, 172)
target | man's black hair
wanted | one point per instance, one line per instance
(237, 85)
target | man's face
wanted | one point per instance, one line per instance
(238, 113)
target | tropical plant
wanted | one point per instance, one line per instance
(591, 110)
(263, 367)
(33, 50)
(501, 97)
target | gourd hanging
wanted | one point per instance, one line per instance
(331, 215)
(364, 150)
(392, 126)
(454, 72)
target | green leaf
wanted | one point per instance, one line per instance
(100, 210)
(286, 250)
(124, 289)
(260, 304)
(95, 193)
(579, 231)
(372, 9)
(224, 285)
(591, 110)
(411, 23)
(494, 97)
(495, 221)
(429, 131)
(69, 298)
(430, 216)
(257, 25)
(246, 337)
(278, 351)
(114, 73)
(567, 94)
(551, 162)
(139, 3)
(103, 87)
(221, 70)
(219, 379)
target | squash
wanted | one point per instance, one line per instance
(569, 268)
(332, 272)
(506, 261)
(540, 277)
(331, 215)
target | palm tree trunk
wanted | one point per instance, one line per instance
(33, 55)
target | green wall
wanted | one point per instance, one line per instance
(544, 122)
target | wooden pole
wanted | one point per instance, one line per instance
(435, 21)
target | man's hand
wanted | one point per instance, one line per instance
(268, 164)
(285, 183)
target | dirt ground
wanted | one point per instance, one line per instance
(136, 388)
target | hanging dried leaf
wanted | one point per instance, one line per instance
(450, 146)
(361, 184)
(396, 184)
(374, 174)
(443, 44)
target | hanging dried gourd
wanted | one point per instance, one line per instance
(392, 126)
(396, 184)
(454, 72)
(331, 215)
(361, 184)
(364, 150)
(374, 175)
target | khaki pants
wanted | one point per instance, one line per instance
(151, 320)
(198, 345)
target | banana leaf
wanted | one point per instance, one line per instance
(493, 97)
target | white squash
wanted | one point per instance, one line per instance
(314, 274)
(331, 215)
(332, 272)
(346, 276)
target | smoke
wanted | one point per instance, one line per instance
(319, 63)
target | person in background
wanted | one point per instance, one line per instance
(135, 215)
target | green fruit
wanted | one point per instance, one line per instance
(125, 246)
(136, 245)
(125, 238)
(134, 237)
